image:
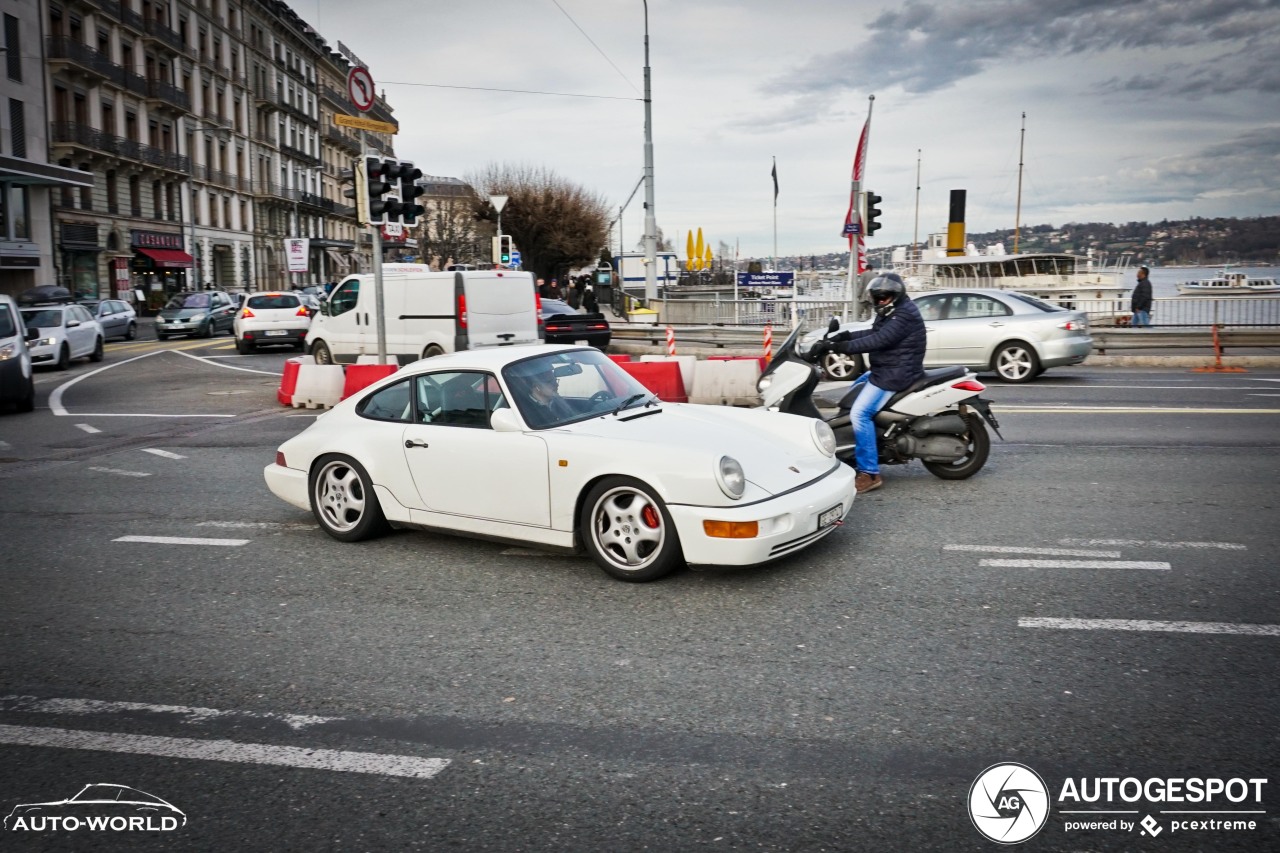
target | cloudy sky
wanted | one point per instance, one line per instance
(1134, 110)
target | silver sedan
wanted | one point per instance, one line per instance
(1012, 334)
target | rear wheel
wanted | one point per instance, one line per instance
(320, 351)
(1016, 362)
(343, 500)
(243, 347)
(979, 448)
(432, 351)
(132, 333)
(628, 532)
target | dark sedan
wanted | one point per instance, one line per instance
(564, 325)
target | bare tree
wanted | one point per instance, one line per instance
(556, 225)
(450, 229)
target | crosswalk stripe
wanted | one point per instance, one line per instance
(181, 540)
(226, 750)
(1044, 552)
(1154, 543)
(1075, 564)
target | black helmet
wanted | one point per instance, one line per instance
(886, 291)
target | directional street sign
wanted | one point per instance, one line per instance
(364, 123)
(360, 87)
(515, 258)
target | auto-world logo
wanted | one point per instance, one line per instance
(98, 808)
(1008, 803)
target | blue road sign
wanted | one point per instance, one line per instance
(515, 258)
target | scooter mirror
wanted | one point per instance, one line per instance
(833, 325)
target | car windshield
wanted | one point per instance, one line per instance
(1036, 303)
(43, 318)
(188, 300)
(8, 328)
(571, 385)
(273, 300)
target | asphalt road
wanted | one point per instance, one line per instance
(422, 692)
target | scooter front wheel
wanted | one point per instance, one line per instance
(979, 448)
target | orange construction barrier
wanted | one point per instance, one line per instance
(661, 377)
(620, 358)
(289, 381)
(361, 376)
(768, 343)
(671, 341)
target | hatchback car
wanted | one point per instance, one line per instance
(204, 313)
(17, 381)
(117, 317)
(272, 319)
(64, 332)
(585, 459)
(1012, 334)
(563, 325)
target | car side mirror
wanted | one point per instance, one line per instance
(31, 334)
(504, 420)
(71, 324)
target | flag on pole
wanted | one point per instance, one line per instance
(775, 180)
(859, 167)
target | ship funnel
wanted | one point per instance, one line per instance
(955, 225)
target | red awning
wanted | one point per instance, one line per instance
(169, 258)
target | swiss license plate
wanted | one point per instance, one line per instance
(581, 343)
(275, 333)
(831, 516)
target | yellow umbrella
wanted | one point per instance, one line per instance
(697, 252)
(692, 263)
(706, 259)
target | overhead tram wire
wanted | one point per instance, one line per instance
(511, 91)
(596, 46)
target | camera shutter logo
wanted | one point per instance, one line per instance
(1008, 803)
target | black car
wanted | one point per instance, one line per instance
(563, 325)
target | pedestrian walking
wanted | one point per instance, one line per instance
(1140, 303)
(589, 300)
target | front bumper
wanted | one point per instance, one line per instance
(788, 523)
(181, 327)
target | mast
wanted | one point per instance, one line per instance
(1017, 217)
(915, 235)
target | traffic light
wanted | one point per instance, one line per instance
(409, 190)
(873, 213)
(504, 249)
(371, 184)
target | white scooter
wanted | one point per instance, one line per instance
(938, 420)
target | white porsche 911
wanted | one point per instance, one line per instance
(558, 447)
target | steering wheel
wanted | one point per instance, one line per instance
(601, 397)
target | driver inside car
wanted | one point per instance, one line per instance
(548, 405)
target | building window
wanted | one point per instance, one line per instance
(135, 196)
(157, 199)
(86, 193)
(13, 48)
(113, 203)
(17, 128)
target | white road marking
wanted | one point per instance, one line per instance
(259, 525)
(118, 471)
(87, 428)
(1154, 543)
(1147, 625)
(32, 704)
(1044, 552)
(1074, 564)
(1006, 408)
(226, 750)
(181, 540)
(166, 454)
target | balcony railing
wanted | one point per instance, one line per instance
(87, 58)
(132, 18)
(158, 90)
(163, 33)
(111, 7)
(74, 133)
(300, 155)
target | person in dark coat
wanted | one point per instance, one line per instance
(896, 345)
(1140, 304)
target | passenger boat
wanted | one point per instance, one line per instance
(1228, 284)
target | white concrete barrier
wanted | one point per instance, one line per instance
(726, 383)
(688, 365)
(319, 386)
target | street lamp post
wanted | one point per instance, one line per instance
(650, 217)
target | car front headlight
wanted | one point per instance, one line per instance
(730, 477)
(824, 437)
(8, 351)
(763, 383)
(42, 342)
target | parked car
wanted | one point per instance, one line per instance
(17, 380)
(1012, 334)
(564, 325)
(117, 317)
(204, 313)
(272, 319)
(64, 331)
(559, 447)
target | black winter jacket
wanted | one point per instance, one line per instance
(1141, 296)
(896, 346)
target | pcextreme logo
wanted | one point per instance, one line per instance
(98, 808)
(1009, 803)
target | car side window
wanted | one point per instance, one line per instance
(464, 398)
(392, 403)
(344, 297)
(984, 306)
(930, 307)
(78, 313)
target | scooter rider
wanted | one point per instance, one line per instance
(896, 345)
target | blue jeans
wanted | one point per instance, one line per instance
(870, 400)
(1141, 319)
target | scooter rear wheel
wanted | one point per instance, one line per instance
(979, 442)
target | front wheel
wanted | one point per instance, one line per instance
(978, 441)
(64, 358)
(97, 354)
(1016, 362)
(343, 500)
(627, 530)
(320, 351)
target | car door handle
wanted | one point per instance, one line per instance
(413, 442)
(996, 325)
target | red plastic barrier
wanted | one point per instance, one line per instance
(621, 359)
(360, 376)
(660, 377)
(764, 362)
(289, 381)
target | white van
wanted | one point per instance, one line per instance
(427, 313)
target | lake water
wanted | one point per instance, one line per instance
(1164, 282)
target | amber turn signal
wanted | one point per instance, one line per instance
(731, 529)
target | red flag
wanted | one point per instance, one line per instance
(859, 166)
